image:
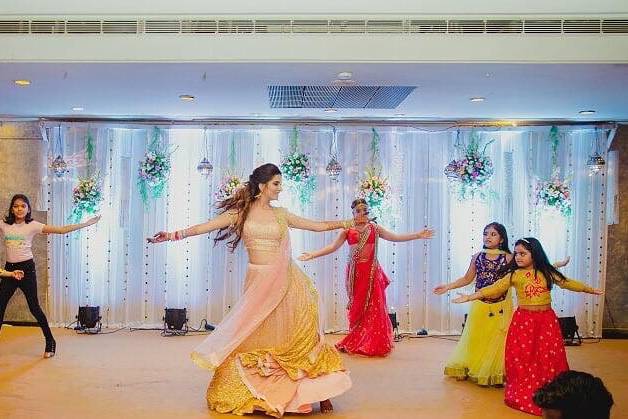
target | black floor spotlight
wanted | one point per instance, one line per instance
(175, 322)
(392, 315)
(88, 320)
(569, 330)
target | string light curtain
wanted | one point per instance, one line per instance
(112, 266)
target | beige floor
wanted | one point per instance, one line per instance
(143, 375)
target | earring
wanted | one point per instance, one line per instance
(258, 195)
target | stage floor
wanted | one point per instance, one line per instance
(143, 375)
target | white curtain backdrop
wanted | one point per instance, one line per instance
(112, 266)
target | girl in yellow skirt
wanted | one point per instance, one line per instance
(479, 354)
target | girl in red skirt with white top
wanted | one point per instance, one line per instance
(535, 352)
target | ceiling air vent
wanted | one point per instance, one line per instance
(236, 26)
(310, 26)
(272, 26)
(83, 26)
(581, 26)
(504, 26)
(427, 26)
(48, 26)
(162, 26)
(465, 26)
(385, 26)
(347, 97)
(347, 26)
(543, 26)
(199, 26)
(119, 26)
(14, 26)
(615, 26)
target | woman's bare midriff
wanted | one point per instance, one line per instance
(259, 257)
(541, 307)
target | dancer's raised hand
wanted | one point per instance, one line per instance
(162, 236)
(427, 233)
(462, 298)
(441, 289)
(92, 220)
(561, 263)
(305, 256)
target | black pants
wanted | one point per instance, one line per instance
(28, 285)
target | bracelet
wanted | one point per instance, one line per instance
(179, 235)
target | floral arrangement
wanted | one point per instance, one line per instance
(86, 197)
(373, 188)
(295, 168)
(473, 171)
(228, 187)
(555, 194)
(154, 169)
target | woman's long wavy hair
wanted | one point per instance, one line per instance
(241, 202)
(10, 218)
(540, 262)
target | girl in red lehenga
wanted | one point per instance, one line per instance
(370, 330)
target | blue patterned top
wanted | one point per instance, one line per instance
(486, 273)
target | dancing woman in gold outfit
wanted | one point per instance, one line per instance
(269, 352)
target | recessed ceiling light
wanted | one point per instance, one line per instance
(330, 110)
(342, 82)
(187, 98)
(588, 112)
(488, 74)
(78, 109)
(345, 75)
(22, 82)
(477, 99)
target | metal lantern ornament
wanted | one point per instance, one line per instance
(334, 168)
(595, 164)
(205, 168)
(59, 165)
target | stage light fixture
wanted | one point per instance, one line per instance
(175, 322)
(88, 320)
(392, 315)
(569, 330)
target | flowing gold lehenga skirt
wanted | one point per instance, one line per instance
(281, 362)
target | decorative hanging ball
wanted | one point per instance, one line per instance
(59, 166)
(333, 169)
(205, 168)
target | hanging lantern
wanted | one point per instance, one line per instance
(452, 170)
(205, 168)
(595, 163)
(333, 169)
(59, 166)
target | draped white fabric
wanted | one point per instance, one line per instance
(112, 266)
